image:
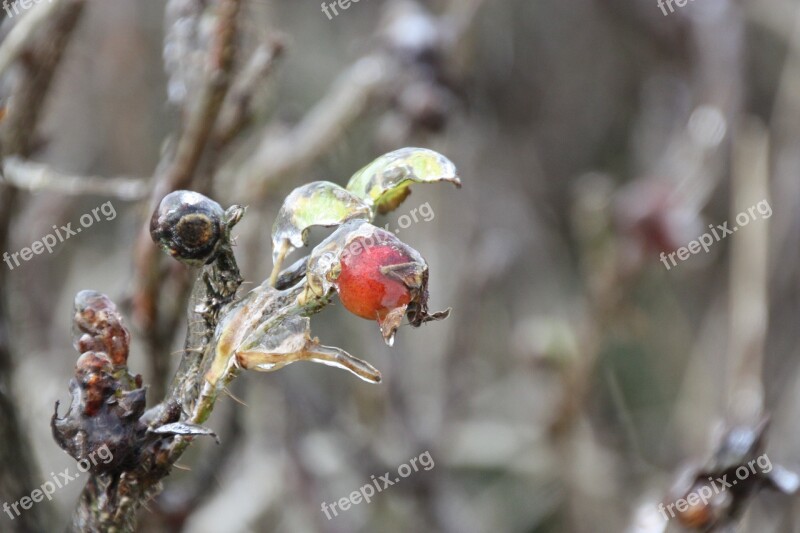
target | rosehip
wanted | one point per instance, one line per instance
(188, 226)
(377, 276)
(365, 288)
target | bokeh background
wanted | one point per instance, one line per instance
(576, 377)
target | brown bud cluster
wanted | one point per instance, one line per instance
(107, 402)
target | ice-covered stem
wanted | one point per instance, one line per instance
(107, 407)
(375, 275)
(193, 154)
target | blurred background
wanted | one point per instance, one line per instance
(577, 376)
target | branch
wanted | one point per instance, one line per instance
(178, 173)
(281, 153)
(39, 64)
(42, 59)
(20, 35)
(237, 113)
(33, 176)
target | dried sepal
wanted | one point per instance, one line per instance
(384, 183)
(238, 323)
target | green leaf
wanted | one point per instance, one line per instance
(384, 183)
(320, 203)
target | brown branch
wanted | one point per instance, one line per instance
(237, 113)
(38, 64)
(178, 173)
(19, 37)
(42, 57)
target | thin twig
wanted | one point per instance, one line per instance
(33, 176)
(19, 36)
(283, 153)
(749, 277)
(237, 112)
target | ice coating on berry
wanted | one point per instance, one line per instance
(365, 289)
(377, 276)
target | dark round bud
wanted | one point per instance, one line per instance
(188, 226)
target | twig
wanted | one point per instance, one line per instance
(749, 274)
(33, 176)
(177, 504)
(282, 153)
(236, 112)
(43, 57)
(19, 36)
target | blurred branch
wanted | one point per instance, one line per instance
(177, 173)
(41, 58)
(202, 117)
(18, 466)
(33, 176)
(38, 64)
(282, 153)
(19, 36)
(749, 277)
(237, 113)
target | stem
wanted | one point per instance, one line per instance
(276, 268)
(110, 502)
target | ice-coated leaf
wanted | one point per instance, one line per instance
(290, 341)
(184, 428)
(320, 203)
(384, 183)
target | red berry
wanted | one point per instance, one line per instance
(364, 286)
